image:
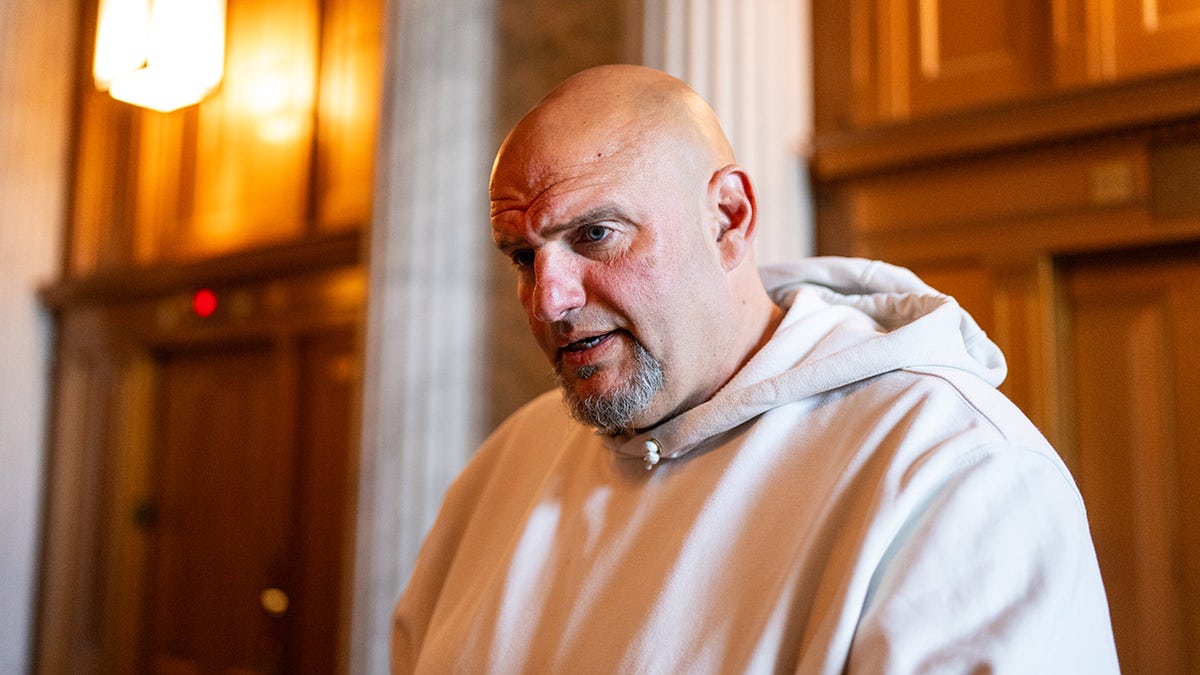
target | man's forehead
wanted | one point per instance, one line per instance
(540, 157)
(537, 210)
(549, 182)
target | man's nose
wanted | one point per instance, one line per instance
(557, 287)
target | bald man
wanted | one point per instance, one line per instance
(804, 468)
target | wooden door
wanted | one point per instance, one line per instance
(1136, 375)
(222, 514)
(247, 519)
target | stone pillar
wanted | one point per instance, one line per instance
(429, 236)
(37, 62)
(752, 61)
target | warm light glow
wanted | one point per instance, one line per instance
(160, 54)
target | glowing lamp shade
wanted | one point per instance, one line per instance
(160, 54)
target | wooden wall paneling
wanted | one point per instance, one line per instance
(960, 54)
(836, 234)
(99, 143)
(351, 73)
(71, 632)
(1136, 384)
(834, 50)
(866, 103)
(1121, 371)
(1025, 302)
(1013, 302)
(911, 59)
(967, 281)
(257, 192)
(1091, 230)
(932, 56)
(1068, 34)
(164, 156)
(284, 150)
(100, 230)
(129, 512)
(1144, 37)
(892, 53)
(254, 136)
(1186, 360)
(328, 367)
(1004, 188)
(1069, 116)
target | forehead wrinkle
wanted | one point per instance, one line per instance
(599, 214)
(536, 178)
(548, 192)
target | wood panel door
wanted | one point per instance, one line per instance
(247, 517)
(222, 514)
(1136, 378)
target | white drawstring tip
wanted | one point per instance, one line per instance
(653, 454)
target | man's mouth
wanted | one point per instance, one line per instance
(586, 343)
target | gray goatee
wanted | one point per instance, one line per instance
(612, 412)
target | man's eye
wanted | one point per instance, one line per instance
(594, 233)
(522, 257)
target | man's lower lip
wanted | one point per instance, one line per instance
(586, 356)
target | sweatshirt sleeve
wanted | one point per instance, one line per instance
(413, 613)
(435, 562)
(997, 573)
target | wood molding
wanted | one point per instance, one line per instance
(308, 255)
(1084, 113)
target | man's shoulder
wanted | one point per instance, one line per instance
(980, 401)
(536, 430)
(516, 455)
(544, 410)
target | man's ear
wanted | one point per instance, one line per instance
(731, 198)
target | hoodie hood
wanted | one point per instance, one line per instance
(846, 320)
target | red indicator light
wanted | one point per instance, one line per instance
(204, 303)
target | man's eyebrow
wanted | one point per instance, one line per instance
(596, 215)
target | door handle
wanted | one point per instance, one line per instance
(274, 602)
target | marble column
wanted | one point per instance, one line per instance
(752, 61)
(421, 393)
(37, 61)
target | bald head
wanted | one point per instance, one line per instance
(618, 109)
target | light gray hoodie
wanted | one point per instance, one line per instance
(858, 498)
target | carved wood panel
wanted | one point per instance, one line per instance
(1139, 37)
(938, 55)
(882, 61)
(1136, 394)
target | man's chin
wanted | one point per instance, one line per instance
(586, 377)
(587, 385)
